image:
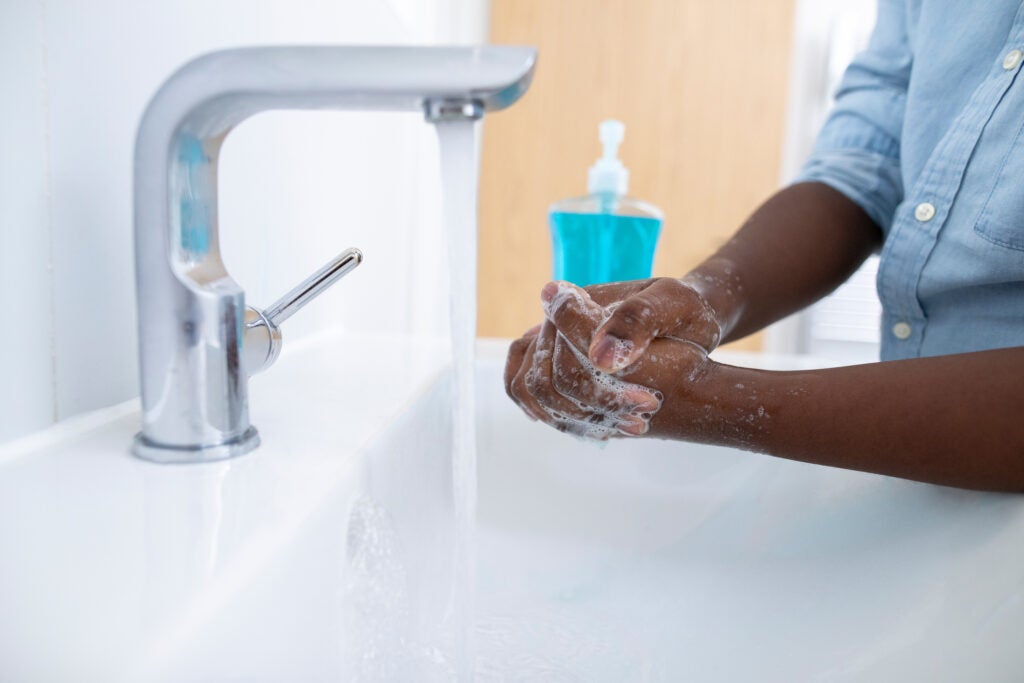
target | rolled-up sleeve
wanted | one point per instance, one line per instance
(858, 149)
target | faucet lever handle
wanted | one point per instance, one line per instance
(313, 286)
(261, 340)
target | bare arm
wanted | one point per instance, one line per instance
(950, 420)
(797, 247)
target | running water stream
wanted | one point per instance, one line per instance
(459, 196)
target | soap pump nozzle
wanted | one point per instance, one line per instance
(608, 174)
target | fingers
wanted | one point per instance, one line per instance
(612, 408)
(665, 308)
(516, 354)
(562, 413)
(574, 313)
(517, 362)
(518, 390)
(549, 371)
(613, 292)
(576, 316)
(628, 407)
(537, 379)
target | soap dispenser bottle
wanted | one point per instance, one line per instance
(605, 236)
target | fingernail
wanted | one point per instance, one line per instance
(634, 426)
(602, 353)
(549, 292)
(610, 353)
(641, 401)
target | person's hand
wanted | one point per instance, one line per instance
(643, 310)
(552, 380)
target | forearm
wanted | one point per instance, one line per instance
(950, 420)
(797, 247)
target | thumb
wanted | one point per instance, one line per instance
(666, 308)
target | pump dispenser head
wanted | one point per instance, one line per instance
(608, 174)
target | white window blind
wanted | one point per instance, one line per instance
(843, 326)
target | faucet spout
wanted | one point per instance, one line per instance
(192, 314)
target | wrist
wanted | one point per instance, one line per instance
(719, 285)
(721, 405)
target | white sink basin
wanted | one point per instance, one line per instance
(324, 555)
(328, 553)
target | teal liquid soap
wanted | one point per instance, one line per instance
(605, 235)
(592, 248)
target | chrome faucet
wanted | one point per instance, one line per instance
(198, 342)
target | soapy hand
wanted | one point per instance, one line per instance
(553, 380)
(643, 310)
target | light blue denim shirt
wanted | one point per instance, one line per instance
(927, 136)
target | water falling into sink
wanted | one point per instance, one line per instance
(459, 196)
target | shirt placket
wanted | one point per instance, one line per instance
(920, 218)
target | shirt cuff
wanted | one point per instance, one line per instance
(858, 160)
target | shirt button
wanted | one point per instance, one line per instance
(901, 330)
(924, 212)
(1012, 59)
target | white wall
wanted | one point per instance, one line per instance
(26, 368)
(296, 188)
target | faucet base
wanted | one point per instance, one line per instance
(153, 452)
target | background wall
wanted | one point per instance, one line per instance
(296, 188)
(701, 87)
